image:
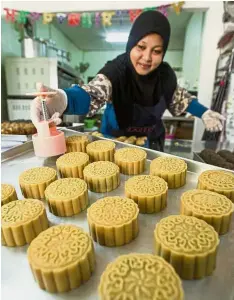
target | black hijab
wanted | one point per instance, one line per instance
(127, 86)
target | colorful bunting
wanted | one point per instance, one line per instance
(163, 10)
(97, 19)
(10, 14)
(73, 19)
(34, 16)
(61, 17)
(22, 17)
(133, 14)
(106, 18)
(177, 7)
(47, 18)
(87, 19)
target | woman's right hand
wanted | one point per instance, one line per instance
(56, 105)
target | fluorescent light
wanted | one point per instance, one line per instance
(117, 37)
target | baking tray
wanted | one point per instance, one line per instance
(197, 157)
(18, 282)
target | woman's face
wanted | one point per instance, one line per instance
(147, 55)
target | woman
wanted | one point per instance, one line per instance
(137, 86)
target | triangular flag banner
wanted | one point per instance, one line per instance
(87, 19)
(106, 18)
(47, 18)
(61, 17)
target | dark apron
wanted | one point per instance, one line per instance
(147, 121)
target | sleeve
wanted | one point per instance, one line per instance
(89, 98)
(180, 101)
(195, 108)
(100, 91)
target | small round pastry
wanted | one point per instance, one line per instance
(61, 258)
(22, 221)
(34, 181)
(138, 276)
(101, 150)
(188, 244)
(113, 221)
(221, 182)
(72, 164)
(8, 193)
(211, 207)
(172, 170)
(77, 143)
(102, 176)
(131, 161)
(149, 192)
(67, 197)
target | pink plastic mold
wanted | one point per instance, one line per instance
(48, 141)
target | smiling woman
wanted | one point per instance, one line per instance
(147, 55)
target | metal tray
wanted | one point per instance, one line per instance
(17, 279)
(197, 157)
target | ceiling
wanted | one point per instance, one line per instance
(93, 39)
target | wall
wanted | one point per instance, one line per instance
(192, 49)
(10, 46)
(97, 60)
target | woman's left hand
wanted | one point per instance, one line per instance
(212, 121)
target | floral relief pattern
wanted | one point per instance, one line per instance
(185, 234)
(140, 276)
(59, 246)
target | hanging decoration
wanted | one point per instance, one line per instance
(133, 14)
(120, 14)
(61, 17)
(10, 14)
(177, 7)
(97, 19)
(87, 19)
(106, 18)
(73, 19)
(163, 9)
(47, 18)
(149, 8)
(22, 17)
(34, 16)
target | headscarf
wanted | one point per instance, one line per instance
(128, 87)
